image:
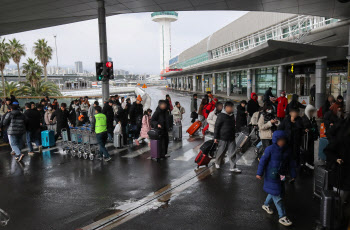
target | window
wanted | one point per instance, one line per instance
(265, 78)
(285, 32)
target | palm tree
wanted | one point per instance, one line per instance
(11, 88)
(4, 59)
(17, 52)
(33, 71)
(43, 52)
(42, 88)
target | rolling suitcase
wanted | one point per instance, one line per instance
(118, 140)
(331, 214)
(194, 127)
(155, 149)
(177, 132)
(243, 141)
(321, 180)
(48, 138)
(209, 148)
(202, 159)
(322, 145)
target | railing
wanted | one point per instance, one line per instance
(172, 13)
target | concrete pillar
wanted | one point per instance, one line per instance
(281, 77)
(203, 86)
(102, 32)
(222, 82)
(253, 82)
(213, 77)
(347, 108)
(194, 83)
(321, 78)
(250, 73)
(228, 84)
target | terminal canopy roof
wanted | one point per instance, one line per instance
(271, 53)
(24, 15)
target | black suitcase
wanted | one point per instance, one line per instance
(322, 178)
(331, 214)
(209, 148)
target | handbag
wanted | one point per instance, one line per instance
(154, 134)
(194, 115)
(118, 129)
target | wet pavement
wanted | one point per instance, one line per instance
(56, 191)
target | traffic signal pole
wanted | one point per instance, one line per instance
(102, 31)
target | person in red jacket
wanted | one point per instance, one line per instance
(208, 108)
(282, 106)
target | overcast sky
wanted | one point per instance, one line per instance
(133, 39)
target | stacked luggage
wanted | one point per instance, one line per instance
(206, 153)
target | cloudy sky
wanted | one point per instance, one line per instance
(133, 40)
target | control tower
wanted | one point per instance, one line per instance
(164, 19)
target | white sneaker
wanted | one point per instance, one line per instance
(267, 209)
(285, 221)
(217, 166)
(236, 170)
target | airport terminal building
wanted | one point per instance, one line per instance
(260, 50)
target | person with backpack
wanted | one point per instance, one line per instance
(160, 122)
(310, 136)
(253, 104)
(267, 125)
(108, 111)
(224, 135)
(33, 120)
(15, 122)
(146, 126)
(274, 165)
(62, 118)
(99, 126)
(136, 114)
(294, 104)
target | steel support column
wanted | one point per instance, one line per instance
(347, 108)
(228, 84)
(194, 83)
(103, 46)
(203, 85)
(213, 78)
(321, 78)
(250, 73)
(281, 77)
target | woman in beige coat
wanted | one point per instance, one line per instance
(267, 125)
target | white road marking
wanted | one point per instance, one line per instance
(137, 152)
(187, 155)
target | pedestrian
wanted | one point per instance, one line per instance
(274, 104)
(267, 125)
(41, 111)
(146, 126)
(207, 109)
(15, 123)
(311, 134)
(267, 95)
(313, 92)
(108, 111)
(282, 106)
(62, 118)
(160, 121)
(274, 166)
(327, 105)
(224, 135)
(294, 104)
(99, 126)
(115, 107)
(334, 116)
(136, 114)
(204, 101)
(122, 102)
(84, 108)
(128, 104)
(169, 103)
(241, 120)
(177, 112)
(213, 116)
(55, 105)
(5, 107)
(194, 106)
(293, 127)
(122, 118)
(33, 119)
(253, 104)
(340, 101)
(91, 111)
(47, 117)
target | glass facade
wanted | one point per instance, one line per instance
(265, 78)
(336, 84)
(239, 82)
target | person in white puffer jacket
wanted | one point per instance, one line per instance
(213, 116)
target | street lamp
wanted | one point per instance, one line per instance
(56, 53)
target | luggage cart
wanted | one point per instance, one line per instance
(74, 145)
(80, 144)
(86, 143)
(93, 144)
(66, 144)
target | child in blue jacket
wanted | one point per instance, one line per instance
(275, 164)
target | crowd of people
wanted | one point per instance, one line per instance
(287, 137)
